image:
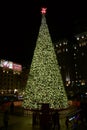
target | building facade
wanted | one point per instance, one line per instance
(72, 58)
(10, 77)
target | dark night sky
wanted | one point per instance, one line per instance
(20, 25)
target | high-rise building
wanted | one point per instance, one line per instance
(72, 57)
(80, 56)
(62, 52)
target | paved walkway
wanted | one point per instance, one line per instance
(18, 122)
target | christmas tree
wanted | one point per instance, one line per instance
(45, 84)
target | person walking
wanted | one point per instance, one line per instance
(5, 119)
(67, 123)
(12, 108)
(55, 119)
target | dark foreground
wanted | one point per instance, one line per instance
(24, 122)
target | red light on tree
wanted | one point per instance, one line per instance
(43, 10)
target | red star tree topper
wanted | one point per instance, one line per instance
(43, 10)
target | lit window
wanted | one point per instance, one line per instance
(77, 38)
(3, 70)
(74, 47)
(64, 43)
(56, 45)
(82, 37)
(83, 83)
(15, 90)
(66, 49)
(60, 44)
(74, 54)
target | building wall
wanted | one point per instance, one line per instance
(9, 80)
(72, 58)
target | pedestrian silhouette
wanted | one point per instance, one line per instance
(55, 119)
(12, 108)
(67, 122)
(45, 121)
(5, 119)
(34, 118)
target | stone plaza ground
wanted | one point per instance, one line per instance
(24, 122)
